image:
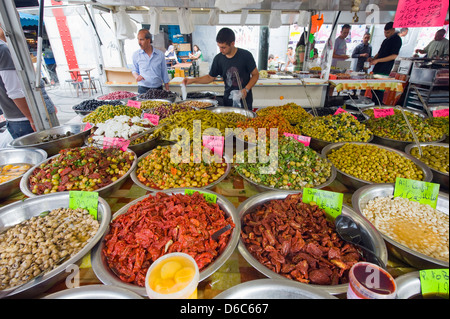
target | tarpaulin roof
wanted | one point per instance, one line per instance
(27, 19)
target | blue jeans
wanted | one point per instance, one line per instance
(19, 128)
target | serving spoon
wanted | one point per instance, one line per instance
(349, 231)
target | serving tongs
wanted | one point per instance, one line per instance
(416, 140)
(309, 99)
(240, 89)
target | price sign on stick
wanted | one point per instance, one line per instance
(86, 200)
(133, 103)
(377, 113)
(116, 142)
(418, 191)
(330, 202)
(88, 126)
(440, 113)
(306, 140)
(341, 110)
(214, 143)
(153, 118)
(420, 13)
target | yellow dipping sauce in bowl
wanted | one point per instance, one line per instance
(173, 276)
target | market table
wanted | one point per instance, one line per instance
(77, 73)
(235, 271)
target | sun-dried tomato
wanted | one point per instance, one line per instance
(161, 224)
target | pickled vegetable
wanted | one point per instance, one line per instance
(434, 156)
(106, 112)
(292, 112)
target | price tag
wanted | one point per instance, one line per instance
(153, 118)
(440, 113)
(330, 202)
(341, 110)
(133, 103)
(434, 282)
(86, 200)
(377, 113)
(214, 143)
(210, 198)
(305, 140)
(88, 126)
(420, 14)
(417, 191)
(117, 142)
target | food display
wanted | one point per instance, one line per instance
(268, 122)
(297, 241)
(232, 117)
(196, 104)
(298, 166)
(374, 164)
(107, 112)
(92, 105)
(292, 112)
(158, 171)
(396, 128)
(39, 244)
(121, 126)
(88, 169)
(152, 94)
(436, 157)
(11, 171)
(417, 226)
(324, 111)
(54, 137)
(151, 104)
(441, 123)
(336, 128)
(117, 95)
(162, 224)
(164, 110)
(185, 120)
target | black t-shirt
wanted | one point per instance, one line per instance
(389, 46)
(242, 62)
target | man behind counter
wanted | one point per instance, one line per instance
(230, 60)
(385, 58)
(436, 48)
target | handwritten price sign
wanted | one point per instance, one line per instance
(214, 143)
(116, 142)
(305, 140)
(440, 113)
(420, 13)
(330, 202)
(210, 198)
(88, 126)
(434, 282)
(153, 118)
(417, 191)
(377, 113)
(133, 103)
(86, 200)
(341, 110)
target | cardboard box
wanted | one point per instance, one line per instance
(114, 75)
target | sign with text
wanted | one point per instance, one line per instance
(420, 13)
(214, 143)
(305, 140)
(210, 198)
(377, 113)
(341, 110)
(440, 113)
(152, 118)
(116, 142)
(417, 191)
(434, 282)
(133, 103)
(330, 202)
(86, 200)
(88, 126)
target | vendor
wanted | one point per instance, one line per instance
(438, 48)
(272, 64)
(340, 46)
(362, 52)
(384, 60)
(196, 54)
(227, 63)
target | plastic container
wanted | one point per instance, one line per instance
(173, 276)
(369, 281)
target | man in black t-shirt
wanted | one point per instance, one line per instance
(229, 61)
(385, 58)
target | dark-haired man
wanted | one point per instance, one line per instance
(340, 46)
(149, 65)
(385, 58)
(227, 63)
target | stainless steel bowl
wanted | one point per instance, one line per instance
(224, 109)
(355, 183)
(406, 109)
(171, 98)
(273, 289)
(371, 238)
(53, 147)
(94, 292)
(318, 144)
(335, 108)
(264, 188)
(438, 176)
(166, 101)
(408, 285)
(440, 107)
(107, 276)
(103, 192)
(31, 156)
(420, 261)
(212, 103)
(135, 179)
(18, 212)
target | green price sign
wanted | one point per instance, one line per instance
(330, 202)
(86, 200)
(434, 282)
(418, 191)
(210, 198)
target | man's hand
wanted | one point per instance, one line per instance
(139, 78)
(374, 62)
(364, 55)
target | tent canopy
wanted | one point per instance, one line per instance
(27, 19)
